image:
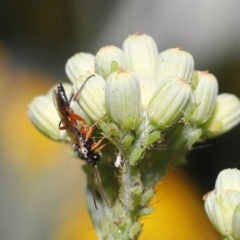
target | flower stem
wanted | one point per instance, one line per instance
(136, 181)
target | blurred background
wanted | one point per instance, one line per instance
(41, 185)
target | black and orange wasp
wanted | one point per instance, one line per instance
(81, 136)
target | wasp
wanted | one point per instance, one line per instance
(81, 136)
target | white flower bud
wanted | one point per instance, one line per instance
(142, 53)
(221, 210)
(175, 63)
(79, 64)
(148, 87)
(123, 97)
(223, 204)
(225, 116)
(169, 102)
(90, 95)
(109, 59)
(205, 93)
(228, 179)
(236, 223)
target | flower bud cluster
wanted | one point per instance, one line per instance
(222, 205)
(136, 87)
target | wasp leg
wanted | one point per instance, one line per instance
(92, 128)
(74, 116)
(94, 187)
(96, 147)
(95, 173)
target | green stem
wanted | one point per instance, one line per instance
(136, 182)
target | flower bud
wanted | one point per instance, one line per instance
(44, 117)
(142, 53)
(222, 205)
(123, 96)
(228, 179)
(79, 64)
(225, 116)
(148, 87)
(90, 95)
(174, 63)
(220, 209)
(110, 59)
(169, 102)
(205, 93)
(236, 223)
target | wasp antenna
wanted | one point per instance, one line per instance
(95, 170)
(71, 100)
(94, 188)
(79, 91)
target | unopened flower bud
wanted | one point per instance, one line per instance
(123, 97)
(222, 205)
(228, 179)
(79, 64)
(109, 59)
(169, 102)
(142, 53)
(175, 63)
(205, 93)
(220, 208)
(148, 87)
(225, 116)
(236, 223)
(89, 92)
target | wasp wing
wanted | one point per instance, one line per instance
(62, 109)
